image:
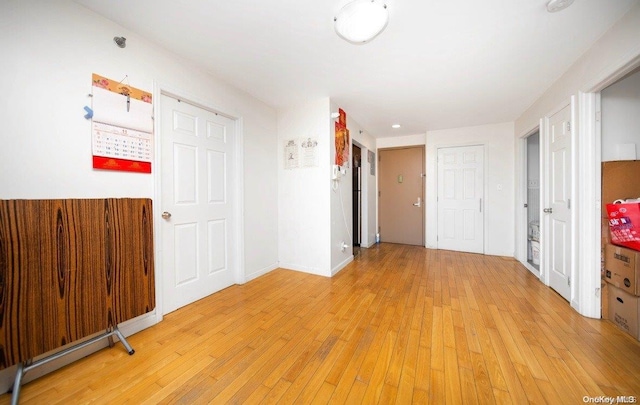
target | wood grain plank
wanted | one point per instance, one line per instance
(22, 336)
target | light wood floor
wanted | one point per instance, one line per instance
(399, 325)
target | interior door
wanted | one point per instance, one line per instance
(460, 198)
(558, 202)
(401, 195)
(198, 226)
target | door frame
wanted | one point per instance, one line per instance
(424, 187)
(364, 196)
(521, 199)
(160, 90)
(589, 287)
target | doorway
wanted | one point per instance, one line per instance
(401, 195)
(357, 195)
(532, 199)
(198, 202)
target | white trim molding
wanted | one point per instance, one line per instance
(588, 205)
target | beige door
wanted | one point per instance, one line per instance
(198, 205)
(401, 195)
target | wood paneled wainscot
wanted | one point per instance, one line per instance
(69, 269)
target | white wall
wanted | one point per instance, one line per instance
(49, 51)
(304, 215)
(342, 201)
(342, 198)
(499, 173)
(620, 106)
(372, 202)
(533, 158)
(407, 140)
(315, 212)
(614, 50)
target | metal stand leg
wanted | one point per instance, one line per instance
(123, 340)
(26, 366)
(16, 384)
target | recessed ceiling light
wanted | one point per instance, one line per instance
(396, 126)
(557, 5)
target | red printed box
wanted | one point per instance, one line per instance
(624, 224)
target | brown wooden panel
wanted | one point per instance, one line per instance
(21, 336)
(69, 269)
(130, 265)
(72, 248)
(58, 255)
(90, 276)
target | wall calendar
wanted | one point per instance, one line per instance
(122, 127)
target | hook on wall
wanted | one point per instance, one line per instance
(120, 41)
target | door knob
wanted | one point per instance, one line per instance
(166, 215)
(548, 210)
(419, 203)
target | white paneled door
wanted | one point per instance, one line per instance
(198, 225)
(557, 252)
(460, 199)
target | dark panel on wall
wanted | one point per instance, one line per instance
(130, 265)
(69, 269)
(20, 305)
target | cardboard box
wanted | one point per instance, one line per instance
(604, 307)
(620, 180)
(622, 268)
(624, 309)
(604, 228)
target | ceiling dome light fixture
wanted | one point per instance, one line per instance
(558, 5)
(361, 20)
(395, 126)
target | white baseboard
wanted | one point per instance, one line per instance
(260, 272)
(303, 269)
(341, 266)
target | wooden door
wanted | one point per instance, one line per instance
(401, 195)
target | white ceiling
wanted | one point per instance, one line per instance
(439, 64)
